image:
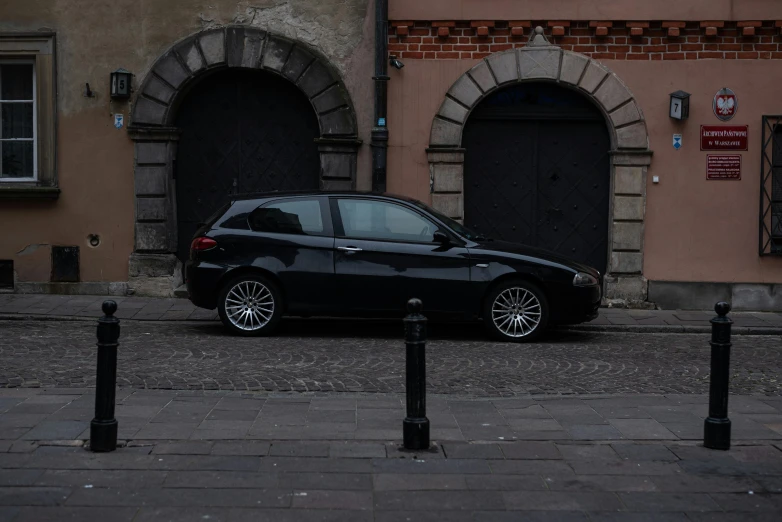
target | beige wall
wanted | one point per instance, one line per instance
(699, 230)
(585, 10)
(95, 161)
(696, 230)
(96, 180)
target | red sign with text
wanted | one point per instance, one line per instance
(724, 137)
(723, 166)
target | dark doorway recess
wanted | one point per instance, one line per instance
(242, 131)
(537, 171)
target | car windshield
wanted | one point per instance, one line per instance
(454, 225)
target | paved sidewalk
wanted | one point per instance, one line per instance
(173, 309)
(335, 457)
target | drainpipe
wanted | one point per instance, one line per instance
(379, 128)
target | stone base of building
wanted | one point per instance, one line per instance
(86, 288)
(154, 275)
(627, 291)
(677, 295)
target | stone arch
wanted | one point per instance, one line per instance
(250, 48)
(153, 267)
(541, 61)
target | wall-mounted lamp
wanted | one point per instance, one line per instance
(120, 84)
(395, 63)
(680, 105)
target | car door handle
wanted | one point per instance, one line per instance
(350, 250)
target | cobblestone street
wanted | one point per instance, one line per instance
(582, 426)
(316, 356)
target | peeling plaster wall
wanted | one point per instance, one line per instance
(94, 160)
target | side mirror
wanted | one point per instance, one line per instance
(441, 237)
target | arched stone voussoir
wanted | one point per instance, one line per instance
(445, 134)
(539, 63)
(572, 68)
(212, 45)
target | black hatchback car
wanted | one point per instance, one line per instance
(366, 255)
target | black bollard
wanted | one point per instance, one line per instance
(415, 427)
(716, 430)
(103, 428)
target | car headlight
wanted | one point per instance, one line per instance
(583, 279)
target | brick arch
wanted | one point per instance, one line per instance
(154, 269)
(541, 61)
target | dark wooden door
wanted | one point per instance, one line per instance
(242, 131)
(537, 171)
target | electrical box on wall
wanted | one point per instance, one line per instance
(65, 264)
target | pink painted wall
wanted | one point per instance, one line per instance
(585, 10)
(696, 230)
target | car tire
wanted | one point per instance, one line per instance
(250, 305)
(515, 311)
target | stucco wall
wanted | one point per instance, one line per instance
(696, 230)
(95, 161)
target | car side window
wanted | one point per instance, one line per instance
(300, 216)
(370, 219)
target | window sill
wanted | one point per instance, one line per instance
(28, 192)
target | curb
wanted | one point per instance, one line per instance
(587, 328)
(668, 329)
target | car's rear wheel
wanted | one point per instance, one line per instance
(516, 311)
(250, 305)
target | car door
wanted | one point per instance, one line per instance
(293, 239)
(386, 254)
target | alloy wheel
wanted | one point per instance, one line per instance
(516, 312)
(249, 305)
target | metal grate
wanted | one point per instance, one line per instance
(6, 274)
(771, 187)
(65, 264)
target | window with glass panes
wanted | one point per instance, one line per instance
(17, 121)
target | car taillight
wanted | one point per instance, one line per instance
(200, 244)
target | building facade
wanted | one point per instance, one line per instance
(566, 141)
(542, 122)
(101, 195)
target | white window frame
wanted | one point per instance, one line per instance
(35, 124)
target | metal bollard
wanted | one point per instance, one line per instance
(716, 430)
(103, 428)
(415, 427)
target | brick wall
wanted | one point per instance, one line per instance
(602, 40)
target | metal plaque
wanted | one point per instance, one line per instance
(724, 137)
(723, 166)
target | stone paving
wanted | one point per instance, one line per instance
(223, 456)
(160, 309)
(354, 356)
(584, 425)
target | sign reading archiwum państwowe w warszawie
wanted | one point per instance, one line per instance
(724, 137)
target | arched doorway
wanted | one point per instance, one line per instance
(537, 171)
(540, 62)
(223, 61)
(242, 131)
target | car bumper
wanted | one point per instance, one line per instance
(581, 305)
(202, 280)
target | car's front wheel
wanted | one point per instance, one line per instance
(250, 305)
(516, 311)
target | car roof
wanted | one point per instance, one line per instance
(306, 193)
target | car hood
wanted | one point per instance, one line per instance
(525, 250)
